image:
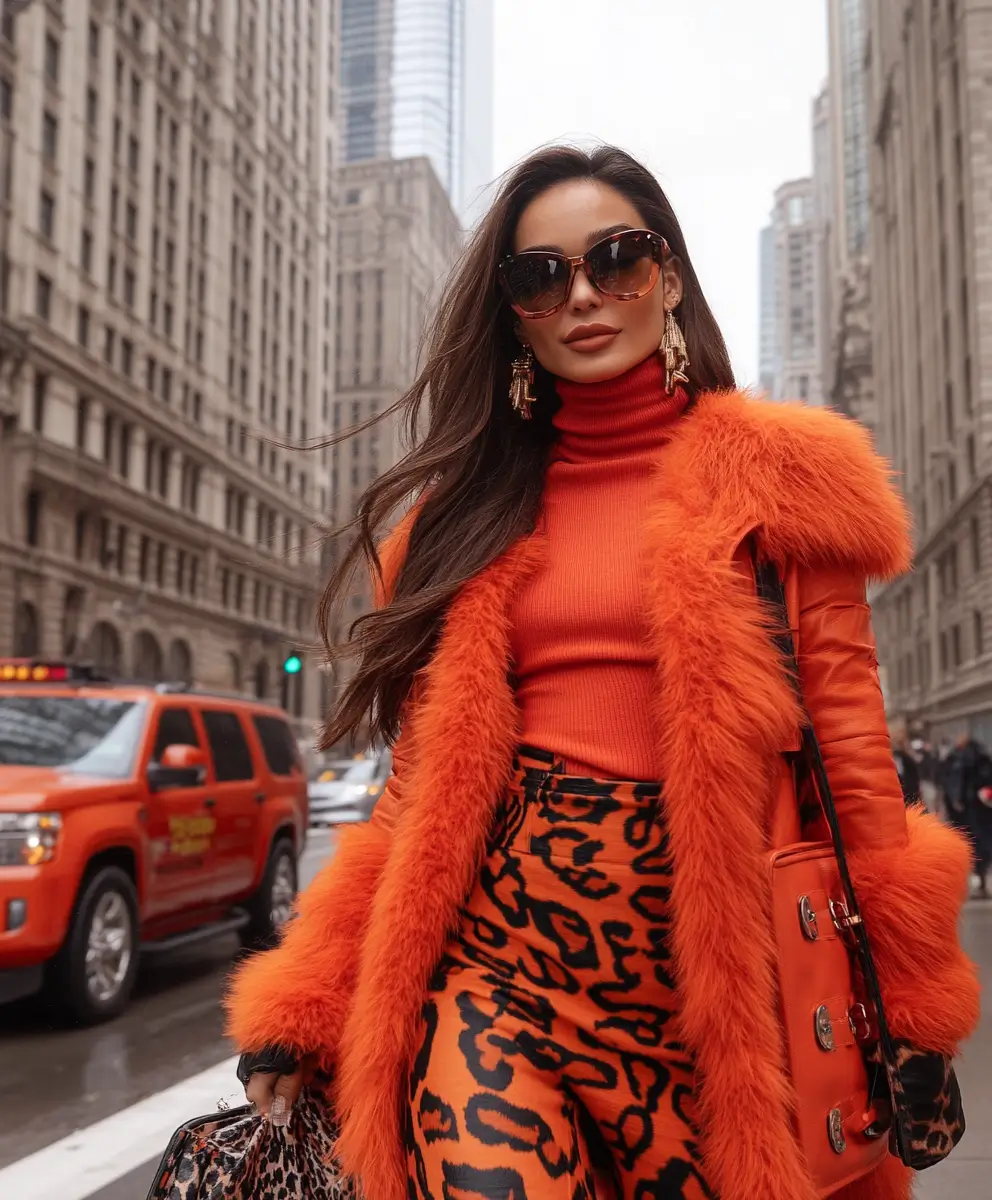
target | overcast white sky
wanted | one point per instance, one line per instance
(713, 95)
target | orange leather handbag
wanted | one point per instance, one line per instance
(861, 1094)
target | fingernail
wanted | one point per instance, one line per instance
(279, 1112)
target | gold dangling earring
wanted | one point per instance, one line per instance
(674, 354)
(522, 383)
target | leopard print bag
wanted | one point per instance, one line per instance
(238, 1154)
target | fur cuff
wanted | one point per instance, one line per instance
(911, 897)
(298, 994)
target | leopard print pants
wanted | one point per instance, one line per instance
(549, 1068)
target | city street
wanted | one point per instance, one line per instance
(54, 1083)
(127, 1085)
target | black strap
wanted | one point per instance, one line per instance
(771, 589)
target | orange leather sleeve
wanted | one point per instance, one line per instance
(910, 871)
(839, 674)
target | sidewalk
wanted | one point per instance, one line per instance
(967, 1174)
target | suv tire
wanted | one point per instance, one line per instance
(271, 906)
(91, 978)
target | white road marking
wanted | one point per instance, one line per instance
(89, 1159)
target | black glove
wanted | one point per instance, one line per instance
(270, 1060)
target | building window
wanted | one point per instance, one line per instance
(6, 98)
(121, 548)
(43, 297)
(52, 54)
(978, 632)
(144, 553)
(129, 284)
(89, 180)
(127, 357)
(956, 644)
(46, 215)
(975, 538)
(82, 421)
(124, 452)
(83, 327)
(86, 252)
(80, 539)
(49, 137)
(109, 346)
(38, 402)
(32, 517)
(92, 108)
(160, 564)
(94, 39)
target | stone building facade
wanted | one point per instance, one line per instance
(166, 283)
(398, 237)
(930, 117)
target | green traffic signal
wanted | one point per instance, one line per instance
(293, 665)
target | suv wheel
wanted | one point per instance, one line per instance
(92, 976)
(272, 905)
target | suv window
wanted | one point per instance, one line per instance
(278, 744)
(175, 728)
(232, 758)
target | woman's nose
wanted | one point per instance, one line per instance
(583, 294)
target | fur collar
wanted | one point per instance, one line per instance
(809, 484)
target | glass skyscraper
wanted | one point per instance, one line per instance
(417, 80)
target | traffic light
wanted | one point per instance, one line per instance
(293, 664)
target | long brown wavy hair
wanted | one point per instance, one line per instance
(475, 467)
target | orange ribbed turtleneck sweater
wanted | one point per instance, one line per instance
(580, 639)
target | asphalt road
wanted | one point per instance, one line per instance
(54, 1082)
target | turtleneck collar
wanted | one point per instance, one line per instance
(616, 418)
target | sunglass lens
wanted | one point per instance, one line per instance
(625, 266)
(536, 282)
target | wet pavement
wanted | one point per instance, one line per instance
(54, 1082)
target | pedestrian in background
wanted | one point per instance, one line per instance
(906, 765)
(967, 778)
(928, 771)
(538, 967)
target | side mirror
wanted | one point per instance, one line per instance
(178, 766)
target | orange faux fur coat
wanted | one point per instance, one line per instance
(350, 975)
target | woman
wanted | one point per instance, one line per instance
(538, 969)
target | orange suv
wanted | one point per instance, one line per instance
(135, 819)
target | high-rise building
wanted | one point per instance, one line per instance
(165, 258)
(930, 95)
(848, 127)
(417, 81)
(397, 238)
(841, 176)
(788, 289)
(823, 229)
(768, 356)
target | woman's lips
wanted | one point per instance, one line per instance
(593, 343)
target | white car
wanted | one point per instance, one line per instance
(353, 795)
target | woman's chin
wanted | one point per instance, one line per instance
(595, 368)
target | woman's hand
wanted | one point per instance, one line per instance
(274, 1095)
(273, 1079)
